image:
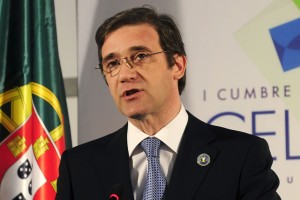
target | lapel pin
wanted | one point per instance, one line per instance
(203, 159)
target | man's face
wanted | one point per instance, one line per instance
(148, 89)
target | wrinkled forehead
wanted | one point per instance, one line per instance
(130, 37)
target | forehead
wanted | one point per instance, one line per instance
(123, 39)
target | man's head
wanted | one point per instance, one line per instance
(169, 35)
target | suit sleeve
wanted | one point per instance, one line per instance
(64, 186)
(258, 180)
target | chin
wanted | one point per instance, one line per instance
(136, 115)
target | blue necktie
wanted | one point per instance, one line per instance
(156, 180)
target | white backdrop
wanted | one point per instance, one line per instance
(235, 77)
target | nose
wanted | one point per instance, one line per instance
(126, 73)
(126, 61)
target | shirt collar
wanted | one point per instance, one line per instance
(170, 135)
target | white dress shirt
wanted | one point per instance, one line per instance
(170, 135)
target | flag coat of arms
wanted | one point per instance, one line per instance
(34, 124)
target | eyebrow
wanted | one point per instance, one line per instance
(139, 48)
(132, 49)
(109, 57)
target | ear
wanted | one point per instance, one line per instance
(179, 66)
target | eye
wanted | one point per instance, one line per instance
(112, 65)
(140, 57)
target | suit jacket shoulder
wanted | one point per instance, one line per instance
(219, 163)
(91, 170)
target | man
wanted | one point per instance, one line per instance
(143, 61)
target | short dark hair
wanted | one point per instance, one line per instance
(168, 32)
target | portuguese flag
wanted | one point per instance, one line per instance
(34, 124)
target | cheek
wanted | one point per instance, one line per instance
(162, 85)
(112, 89)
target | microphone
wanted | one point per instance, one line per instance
(114, 197)
(115, 192)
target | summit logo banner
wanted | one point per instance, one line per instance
(271, 40)
(286, 39)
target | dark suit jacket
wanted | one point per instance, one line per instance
(239, 167)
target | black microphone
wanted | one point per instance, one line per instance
(115, 192)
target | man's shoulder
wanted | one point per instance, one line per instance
(222, 133)
(236, 138)
(100, 144)
(228, 141)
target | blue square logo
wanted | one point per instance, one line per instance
(286, 39)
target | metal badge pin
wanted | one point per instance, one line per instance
(203, 159)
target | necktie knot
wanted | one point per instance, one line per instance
(151, 147)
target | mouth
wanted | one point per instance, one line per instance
(130, 92)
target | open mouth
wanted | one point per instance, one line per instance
(131, 92)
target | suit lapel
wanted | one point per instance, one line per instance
(187, 174)
(112, 166)
(111, 162)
